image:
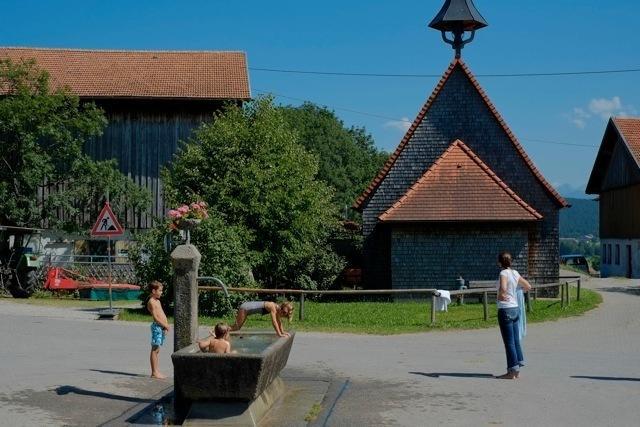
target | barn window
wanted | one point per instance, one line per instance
(609, 253)
(617, 254)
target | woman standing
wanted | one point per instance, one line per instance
(509, 313)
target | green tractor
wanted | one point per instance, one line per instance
(21, 260)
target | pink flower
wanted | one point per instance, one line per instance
(195, 206)
(174, 214)
(202, 204)
(183, 209)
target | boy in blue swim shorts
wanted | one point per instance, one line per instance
(159, 326)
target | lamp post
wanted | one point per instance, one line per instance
(458, 17)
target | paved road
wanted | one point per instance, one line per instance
(61, 367)
(582, 371)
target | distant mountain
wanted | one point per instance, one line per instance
(573, 192)
(580, 219)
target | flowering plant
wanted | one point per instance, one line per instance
(193, 213)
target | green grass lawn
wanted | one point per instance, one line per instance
(399, 317)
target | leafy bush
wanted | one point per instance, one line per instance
(224, 255)
(249, 166)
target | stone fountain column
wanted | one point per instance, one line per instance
(185, 260)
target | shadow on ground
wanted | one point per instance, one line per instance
(588, 377)
(622, 289)
(129, 374)
(67, 389)
(452, 374)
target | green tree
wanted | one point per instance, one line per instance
(224, 255)
(250, 168)
(348, 158)
(42, 132)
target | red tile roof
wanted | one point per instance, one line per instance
(142, 74)
(629, 129)
(456, 63)
(460, 187)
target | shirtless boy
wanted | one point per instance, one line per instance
(219, 343)
(159, 326)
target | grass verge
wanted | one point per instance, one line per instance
(385, 318)
(69, 302)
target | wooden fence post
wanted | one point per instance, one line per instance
(527, 302)
(567, 293)
(561, 290)
(485, 305)
(578, 291)
(301, 315)
(433, 309)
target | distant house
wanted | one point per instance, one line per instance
(615, 178)
(458, 189)
(152, 99)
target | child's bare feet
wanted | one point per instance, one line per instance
(508, 376)
(158, 376)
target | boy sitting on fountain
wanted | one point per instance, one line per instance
(219, 343)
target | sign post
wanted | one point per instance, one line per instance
(107, 225)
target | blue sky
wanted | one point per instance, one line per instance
(386, 37)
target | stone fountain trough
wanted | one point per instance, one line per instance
(240, 385)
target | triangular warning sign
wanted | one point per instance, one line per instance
(107, 223)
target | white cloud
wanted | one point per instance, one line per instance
(599, 107)
(606, 108)
(579, 117)
(404, 124)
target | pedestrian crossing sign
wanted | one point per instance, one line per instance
(107, 224)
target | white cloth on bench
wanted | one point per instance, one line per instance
(443, 299)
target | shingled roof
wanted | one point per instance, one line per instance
(206, 75)
(456, 64)
(627, 130)
(459, 186)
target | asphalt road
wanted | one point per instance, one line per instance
(62, 367)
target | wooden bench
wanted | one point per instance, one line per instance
(482, 284)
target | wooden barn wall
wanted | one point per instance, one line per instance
(460, 112)
(622, 169)
(143, 137)
(620, 213)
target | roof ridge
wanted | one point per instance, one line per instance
(615, 120)
(407, 136)
(478, 161)
(58, 49)
(512, 136)
(497, 179)
(420, 117)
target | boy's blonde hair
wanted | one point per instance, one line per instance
(155, 285)
(221, 330)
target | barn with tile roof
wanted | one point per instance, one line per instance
(615, 178)
(152, 100)
(458, 189)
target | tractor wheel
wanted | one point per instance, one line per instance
(15, 289)
(21, 284)
(33, 282)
